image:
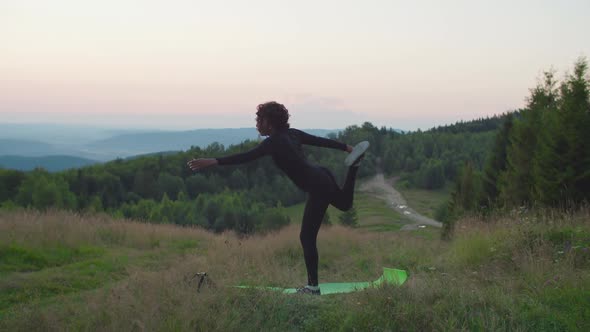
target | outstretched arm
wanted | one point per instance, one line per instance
(238, 158)
(197, 164)
(323, 142)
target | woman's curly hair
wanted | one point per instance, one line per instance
(277, 114)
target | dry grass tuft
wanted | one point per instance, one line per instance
(33, 228)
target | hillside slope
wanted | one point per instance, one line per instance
(62, 271)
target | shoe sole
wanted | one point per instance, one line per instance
(308, 292)
(357, 151)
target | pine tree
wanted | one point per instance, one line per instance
(548, 169)
(574, 120)
(496, 164)
(466, 188)
(349, 218)
(517, 183)
(463, 198)
(562, 163)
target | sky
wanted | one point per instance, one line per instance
(188, 64)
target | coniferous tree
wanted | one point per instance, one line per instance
(562, 167)
(548, 169)
(349, 218)
(575, 119)
(466, 188)
(517, 182)
(495, 165)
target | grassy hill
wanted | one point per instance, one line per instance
(64, 271)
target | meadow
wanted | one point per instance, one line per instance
(426, 202)
(524, 271)
(373, 213)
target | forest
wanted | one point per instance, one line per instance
(540, 156)
(535, 156)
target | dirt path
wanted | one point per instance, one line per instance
(380, 188)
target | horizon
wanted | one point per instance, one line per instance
(124, 127)
(201, 65)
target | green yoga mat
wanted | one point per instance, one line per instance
(389, 276)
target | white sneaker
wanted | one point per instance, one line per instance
(310, 290)
(357, 154)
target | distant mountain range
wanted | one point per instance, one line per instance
(51, 133)
(27, 148)
(51, 163)
(58, 147)
(142, 143)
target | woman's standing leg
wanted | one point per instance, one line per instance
(315, 209)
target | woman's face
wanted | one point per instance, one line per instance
(263, 126)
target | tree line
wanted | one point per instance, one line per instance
(249, 197)
(541, 154)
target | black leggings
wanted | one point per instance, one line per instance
(326, 192)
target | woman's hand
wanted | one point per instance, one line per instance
(349, 148)
(198, 164)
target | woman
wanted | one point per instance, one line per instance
(284, 146)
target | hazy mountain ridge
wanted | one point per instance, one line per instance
(25, 148)
(143, 143)
(51, 163)
(51, 133)
(182, 140)
(28, 148)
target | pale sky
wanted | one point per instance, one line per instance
(185, 64)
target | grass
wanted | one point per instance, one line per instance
(25, 259)
(373, 214)
(424, 201)
(47, 255)
(513, 272)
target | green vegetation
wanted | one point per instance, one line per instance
(45, 256)
(247, 198)
(14, 258)
(487, 159)
(516, 254)
(372, 213)
(527, 272)
(540, 157)
(426, 202)
(377, 215)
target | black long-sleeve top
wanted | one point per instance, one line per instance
(285, 149)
